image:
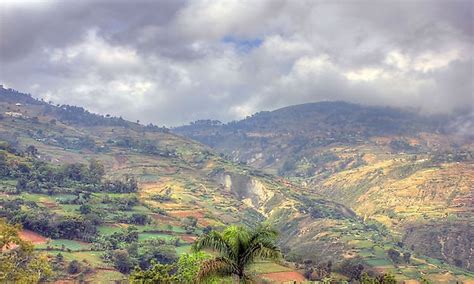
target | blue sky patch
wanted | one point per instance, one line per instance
(243, 45)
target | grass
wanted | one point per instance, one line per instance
(183, 249)
(107, 276)
(366, 254)
(165, 227)
(70, 208)
(68, 244)
(8, 182)
(108, 230)
(147, 236)
(379, 262)
(64, 196)
(91, 257)
(363, 244)
(268, 267)
(34, 197)
(141, 209)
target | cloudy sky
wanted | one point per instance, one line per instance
(171, 62)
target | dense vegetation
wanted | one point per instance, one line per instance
(84, 187)
(18, 262)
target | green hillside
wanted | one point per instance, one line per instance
(112, 194)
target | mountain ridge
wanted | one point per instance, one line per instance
(179, 178)
(391, 165)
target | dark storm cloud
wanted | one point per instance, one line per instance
(170, 62)
(31, 25)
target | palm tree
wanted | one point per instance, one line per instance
(237, 247)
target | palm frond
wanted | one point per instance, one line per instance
(263, 249)
(216, 267)
(238, 247)
(237, 237)
(262, 234)
(214, 241)
(266, 252)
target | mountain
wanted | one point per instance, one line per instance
(111, 194)
(413, 173)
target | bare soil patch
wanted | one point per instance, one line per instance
(33, 237)
(280, 277)
(187, 213)
(164, 219)
(188, 238)
(49, 204)
(199, 215)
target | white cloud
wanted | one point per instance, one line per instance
(364, 74)
(430, 61)
(95, 50)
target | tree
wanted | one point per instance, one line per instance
(122, 261)
(394, 255)
(185, 270)
(319, 272)
(138, 219)
(189, 223)
(352, 268)
(237, 247)
(73, 267)
(85, 209)
(155, 249)
(18, 261)
(32, 151)
(158, 273)
(4, 168)
(189, 265)
(386, 278)
(207, 229)
(406, 257)
(96, 171)
(59, 258)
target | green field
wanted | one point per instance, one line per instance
(183, 249)
(66, 244)
(268, 267)
(148, 236)
(107, 230)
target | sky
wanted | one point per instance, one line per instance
(174, 61)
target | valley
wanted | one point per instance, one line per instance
(120, 194)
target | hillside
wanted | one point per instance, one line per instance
(162, 191)
(412, 173)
